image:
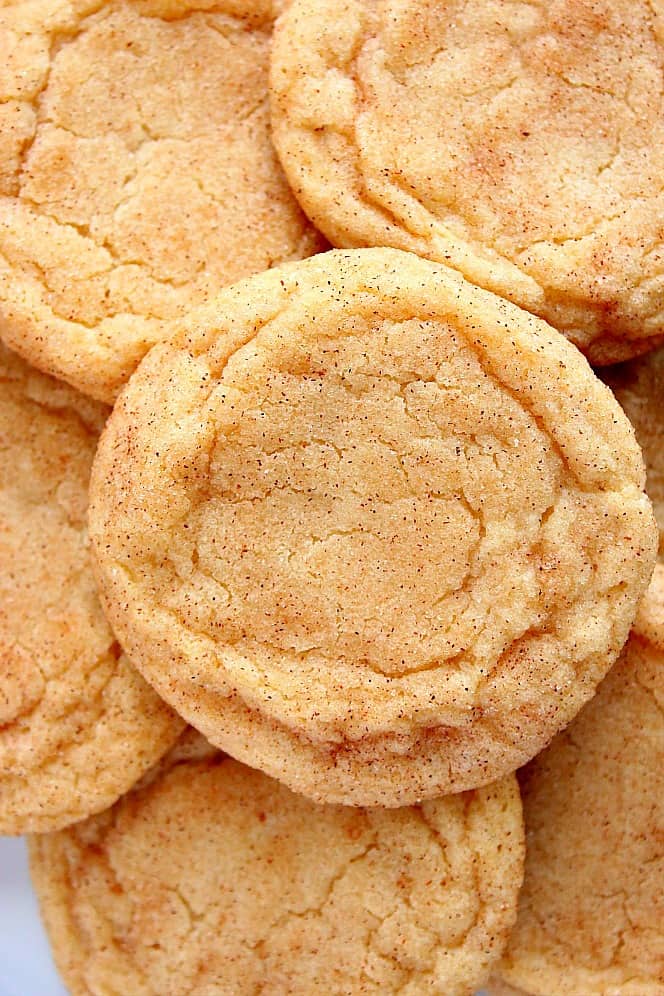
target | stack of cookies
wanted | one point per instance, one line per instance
(364, 536)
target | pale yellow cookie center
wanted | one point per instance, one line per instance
(520, 142)
(136, 153)
(518, 122)
(369, 898)
(376, 498)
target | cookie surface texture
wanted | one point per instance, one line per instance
(214, 879)
(137, 174)
(639, 387)
(522, 143)
(369, 528)
(78, 725)
(591, 912)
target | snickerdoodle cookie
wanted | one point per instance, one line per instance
(137, 174)
(522, 142)
(370, 528)
(78, 726)
(591, 913)
(210, 878)
(639, 387)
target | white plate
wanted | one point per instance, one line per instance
(26, 968)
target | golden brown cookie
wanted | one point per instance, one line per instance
(591, 913)
(213, 879)
(521, 142)
(639, 387)
(369, 528)
(78, 726)
(137, 175)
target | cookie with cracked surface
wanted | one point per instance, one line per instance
(591, 913)
(78, 725)
(370, 528)
(639, 387)
(137, 175)
(521, 142)
(283, 896)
